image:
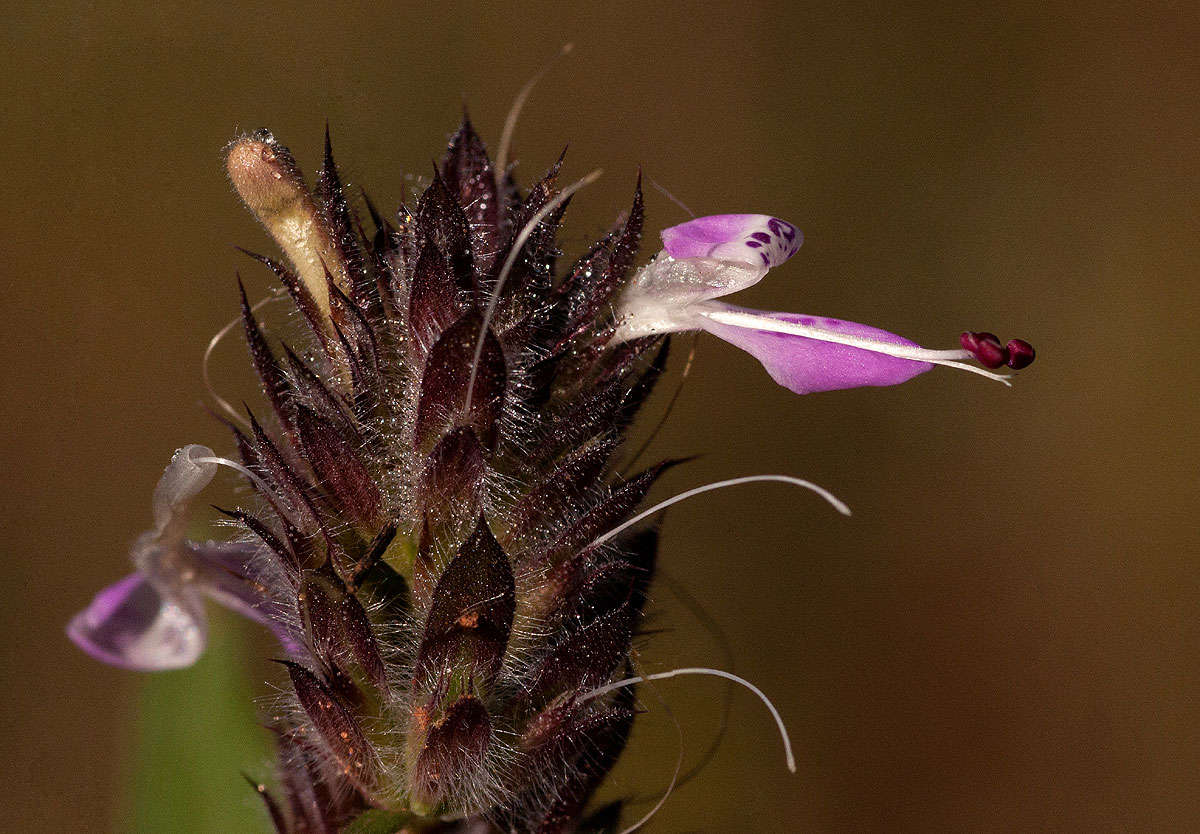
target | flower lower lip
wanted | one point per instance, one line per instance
(734, 317)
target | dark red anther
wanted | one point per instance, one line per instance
(985, 347)
(1020, 354)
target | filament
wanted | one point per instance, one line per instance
(716, 673)
(683, 496)
(510, 123)
(233, 464)
(212, 345)
(494, 299)
(750, 321)
(672, 198)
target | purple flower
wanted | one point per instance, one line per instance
(154, 618)
(714, 256)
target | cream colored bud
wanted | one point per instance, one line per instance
(270, 184)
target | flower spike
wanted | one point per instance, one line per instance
(439, 533)
(714, 256)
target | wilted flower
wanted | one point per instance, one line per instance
(154, 618)
(441, 539)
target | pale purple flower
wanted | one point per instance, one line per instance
(714, 256)
(154, 618)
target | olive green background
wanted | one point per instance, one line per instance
(1003, 637)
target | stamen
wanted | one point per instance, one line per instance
(1020, 354)
(683, 496)
(233, 464)
(716, 673)
(673, 198)
(513, 254)
(986, 348)
(212, 345)
(948, 358)
(510, 123)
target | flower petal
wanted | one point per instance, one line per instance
(757, 239)
(677, 282)
(132, 625)
(805, 365)
(232, 574)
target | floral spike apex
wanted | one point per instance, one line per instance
(710, 257)
(438, 533)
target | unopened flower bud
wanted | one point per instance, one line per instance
(271, 185)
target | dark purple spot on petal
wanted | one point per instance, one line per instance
(782, 228)
(753, 244)
(761, 236)
(766, 261)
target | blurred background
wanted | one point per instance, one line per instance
(1003, 637)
